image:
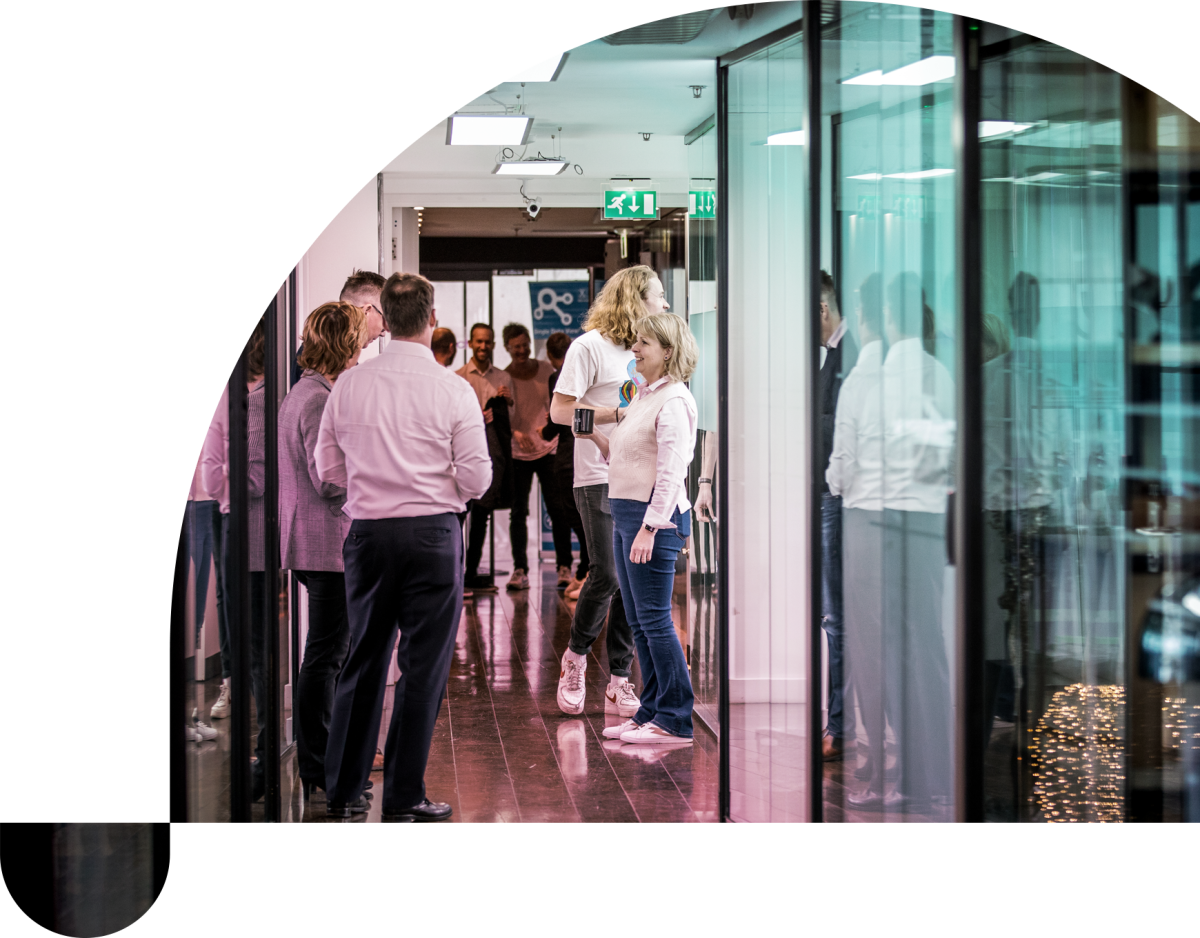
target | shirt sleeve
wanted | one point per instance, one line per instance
(256, 433)
(328, 457)
(675, 431)
(310, 430)
(469, 450)
(212, 456)
(845, 441)
(578, 373)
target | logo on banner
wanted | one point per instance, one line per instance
(558, 306)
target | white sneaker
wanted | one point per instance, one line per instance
(572, 591)
(204, 732)
(571, 692)
(190, 734)
(614, 732)
(519, 580)
(564, 577)
(621, 699)
(650, 733)
(572, 748)
(221, 707)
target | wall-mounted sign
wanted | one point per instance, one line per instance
(702, 203)
(630, 203)
(558, 306)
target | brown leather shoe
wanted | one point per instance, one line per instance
(831, 749)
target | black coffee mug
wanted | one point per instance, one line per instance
(585, 420)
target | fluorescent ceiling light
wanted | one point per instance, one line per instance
(1037, 177)
(548, 70)
(921, 174)
(926, 71)
(496, 130)
(530, 168)
(789, 138)
(871, 177)
(996, 128)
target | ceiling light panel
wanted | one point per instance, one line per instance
(999, 128)
(546, 71)
(925, 72)
(495, 130)
(790, 138)
(530, 168)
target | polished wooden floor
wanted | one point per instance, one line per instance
(502, 750)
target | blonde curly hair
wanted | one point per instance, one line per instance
(671, 332)
(620, 304)
(332, 334)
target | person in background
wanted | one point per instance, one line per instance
(203, 525)
(361, 289)
(444, 346)
(598, 372)
(564, 463)
(406, 439)
(532, 454)
(493, 389)
(214, 474)
(838, 353)
(312, 526)
(648, 456)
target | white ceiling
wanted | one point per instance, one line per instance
(604, 99)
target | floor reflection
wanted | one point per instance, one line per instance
(502, 750)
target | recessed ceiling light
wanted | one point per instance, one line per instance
(920, 174)
(996, 128)
(547, 70)
(871, 177)
(924, 72)
(530, 168)
(789, 138)
(497, 130)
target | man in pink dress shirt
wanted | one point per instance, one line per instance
(405, 437)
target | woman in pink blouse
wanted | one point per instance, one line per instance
(648, 455)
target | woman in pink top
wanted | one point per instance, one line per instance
(532, 454)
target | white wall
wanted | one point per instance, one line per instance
(350, 242)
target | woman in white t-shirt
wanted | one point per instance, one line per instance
(598, 374)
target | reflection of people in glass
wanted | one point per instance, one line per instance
(313, 527)
(893, 438)
(1025, 428)
(839, 354)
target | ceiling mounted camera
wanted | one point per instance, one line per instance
(532, 209)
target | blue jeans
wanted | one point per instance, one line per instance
(840, 723)
(202, 515)
(646, 589)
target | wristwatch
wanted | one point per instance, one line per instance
(703, 481)
(649, 527)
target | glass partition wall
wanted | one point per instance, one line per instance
(1034, 655)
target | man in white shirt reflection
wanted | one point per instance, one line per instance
(893, 437)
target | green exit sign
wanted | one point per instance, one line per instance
(702, 203)
(630, 203)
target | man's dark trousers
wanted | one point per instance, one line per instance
(405, 574)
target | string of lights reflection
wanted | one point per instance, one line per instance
(1077, 752)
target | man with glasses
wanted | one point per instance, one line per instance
(362, 288)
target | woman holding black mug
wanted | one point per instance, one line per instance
(648, 454)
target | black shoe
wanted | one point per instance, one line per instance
(425, 811)
(345, 810)
(480, 584)
(312, 790)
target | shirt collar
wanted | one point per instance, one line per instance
(472, 368)
(656, 385)
(309, 373)
(400, 347)
(837, 334)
